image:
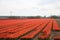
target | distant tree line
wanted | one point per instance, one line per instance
(53, 16)
(16, 17)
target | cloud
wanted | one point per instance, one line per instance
(30, 7)
(44, 2)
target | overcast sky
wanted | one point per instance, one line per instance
(29, 7)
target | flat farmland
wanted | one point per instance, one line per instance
(30, 29)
